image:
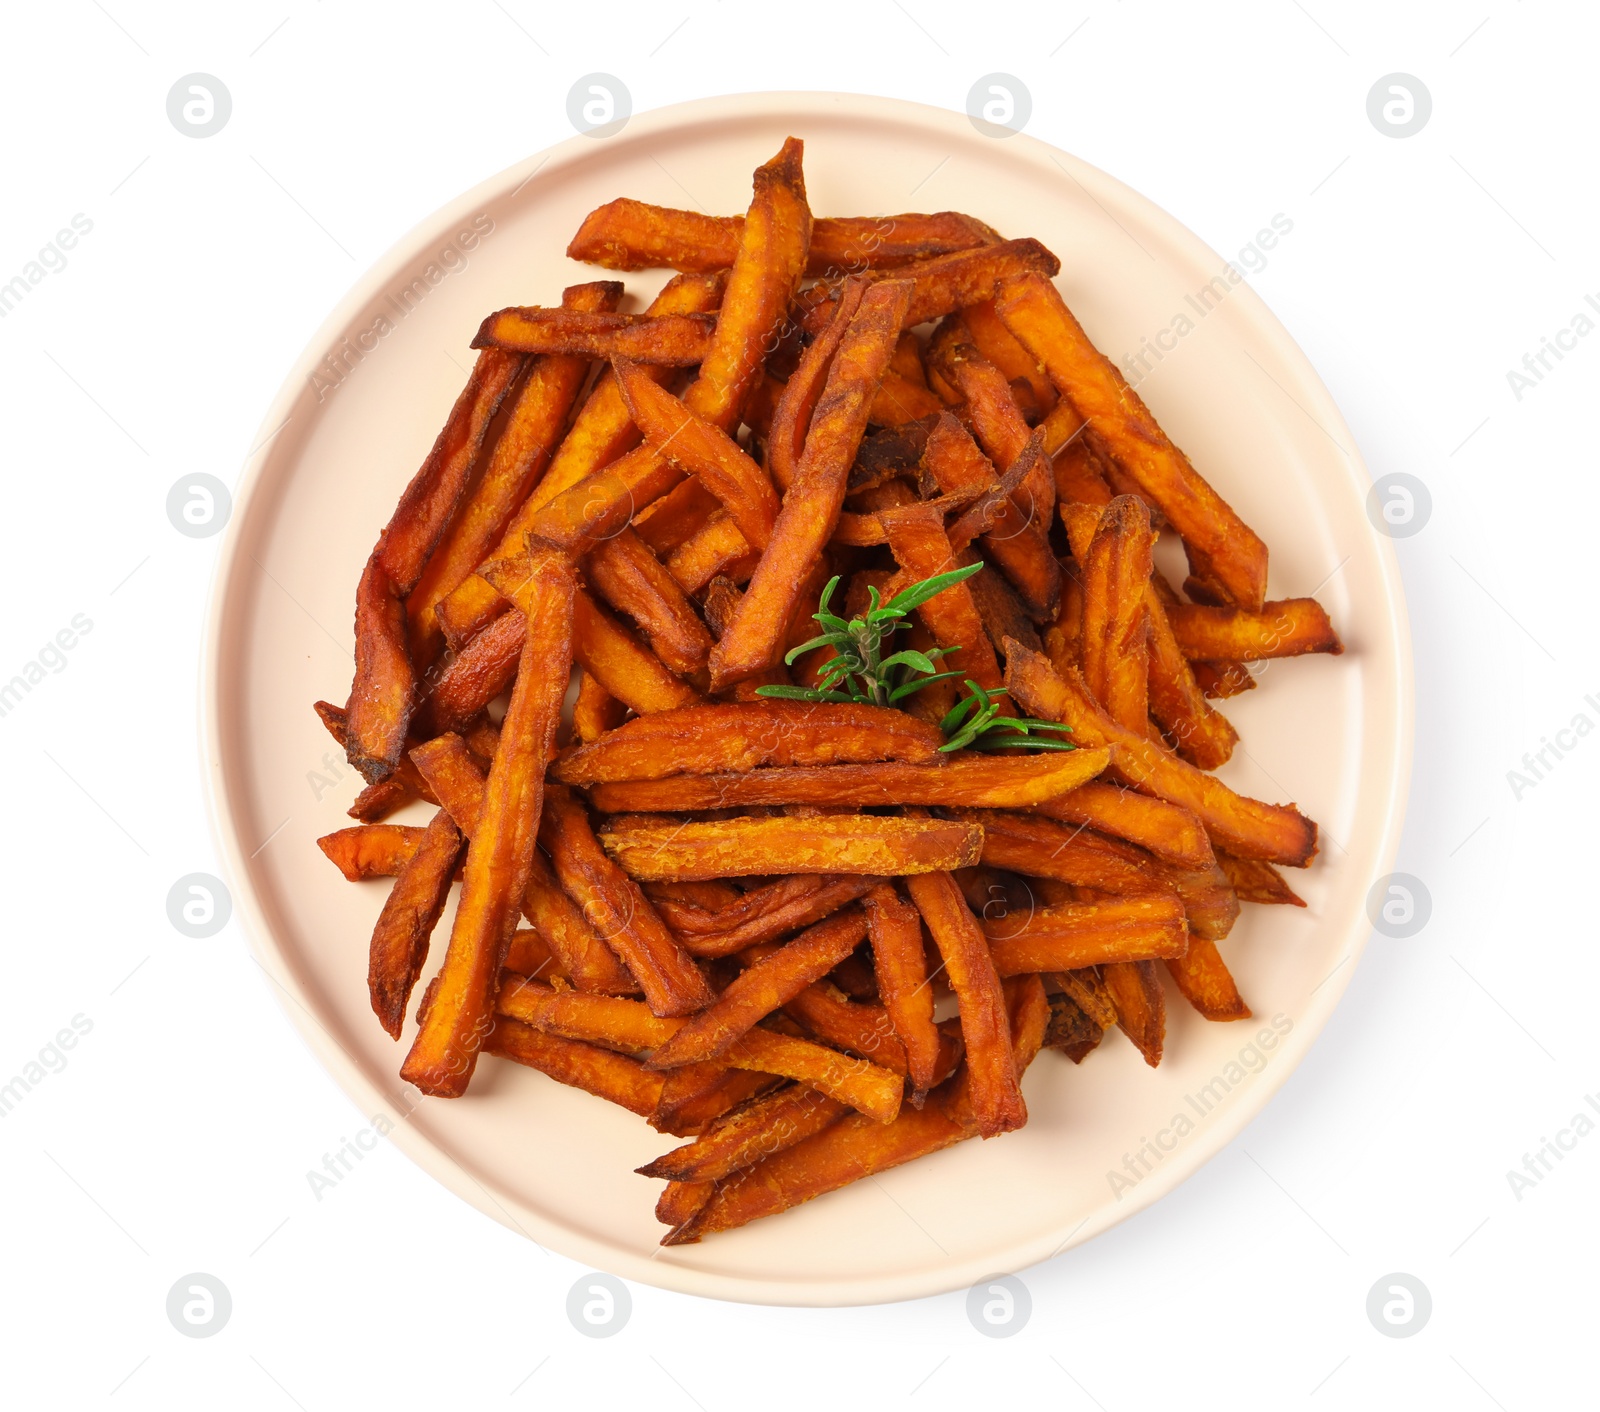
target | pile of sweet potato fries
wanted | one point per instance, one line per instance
(811, 905)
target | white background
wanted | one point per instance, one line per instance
(179, 1134)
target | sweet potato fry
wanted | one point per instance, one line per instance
(629, 1025)
(673, 520)
(696, 1095)
(944, 283)
(634, 235)
(854, 1147)
(791, 418)
(708, 918)
(756, 992)
(529, 955)
(1071, 1029)
(665, 340)
(1221, 680)
(1199, 733)
(1120, 425)
(731, 848)
(972, 779)
(744, 735)
(410, 912)
(996, 1099)
(1206, 983)
(813, 501)
(999, 345)
(1113, 648)
(614, 1077)
(703, 449)
(445, 1050)
(796, 907)
(1172, 833)
(383, 693)
(856, 1027)
(479, 672)
(627, 575)
(766, 271)
(922, 549)
(717, 547)
(371, 850)
(681, 1200)
(1286, 627)
(600, 433)
(755, 1130)
(898, 400)
(1135, 989)
(1273, 832)
(595, 710)
(1073, 935)
(1088, 990)
(1256, 881)
(895, 928)
(537, 417)
(458, 780)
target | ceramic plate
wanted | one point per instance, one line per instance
(355, 418)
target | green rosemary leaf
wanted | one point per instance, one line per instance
(916, 684)
(920, 593)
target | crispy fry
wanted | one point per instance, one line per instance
(944, 283)
(702, 448)
(600, 433)
(766, 271)
(1038, 847)
(410, 912)
(371, 850)
(999, 345)
(458, 780)
(1273, 832)
(665, 340)
(1135, 989)
(1199, 733)
(812, 503)
(1120, 426)
(1071, 1030)
(634, 235)
(595, 710)
(742, 736)
(1206, 983)
(791, 418)
(1072, 935)
(856, 1027)
(681, 1200)
(898, 400)
(708, 918)
(763, 988)
(1255, 881)
(529, 955)
(732, 848)
(1286, 627)
(1223, 679)
(445, 1050)
(755, 1130)
(629, 1025)
(1169, 831)
(1113, 648)
(796, 907)
(1002, 431)
(614, 1077)
(895, 928)
(383, 693)
(717, 547)
(617, 909)
(537, 417)
(674, 519)
(694, 1096)
(1088, 990)
(972, 779)
(996, 1099)
(922, 549)
(479, 673)
(627, 575)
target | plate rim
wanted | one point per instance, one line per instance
(223, 596)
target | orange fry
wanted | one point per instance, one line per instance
(1120, 425)
(1135, 990)
(627, 575)
(1206, 983)
(812, 503)
(399, 944)
(1115, 573)
(371, 850)
(901, 963)
(445, 1050)
(1286, 627)
(731, 848)
(614, 1077)
(1073, 935)
(757, 1129)
(667, 340)
(1172, 833)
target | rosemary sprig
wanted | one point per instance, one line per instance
(859, 671)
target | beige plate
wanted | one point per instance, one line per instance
(1235, 392)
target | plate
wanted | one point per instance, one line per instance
(354, 419)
